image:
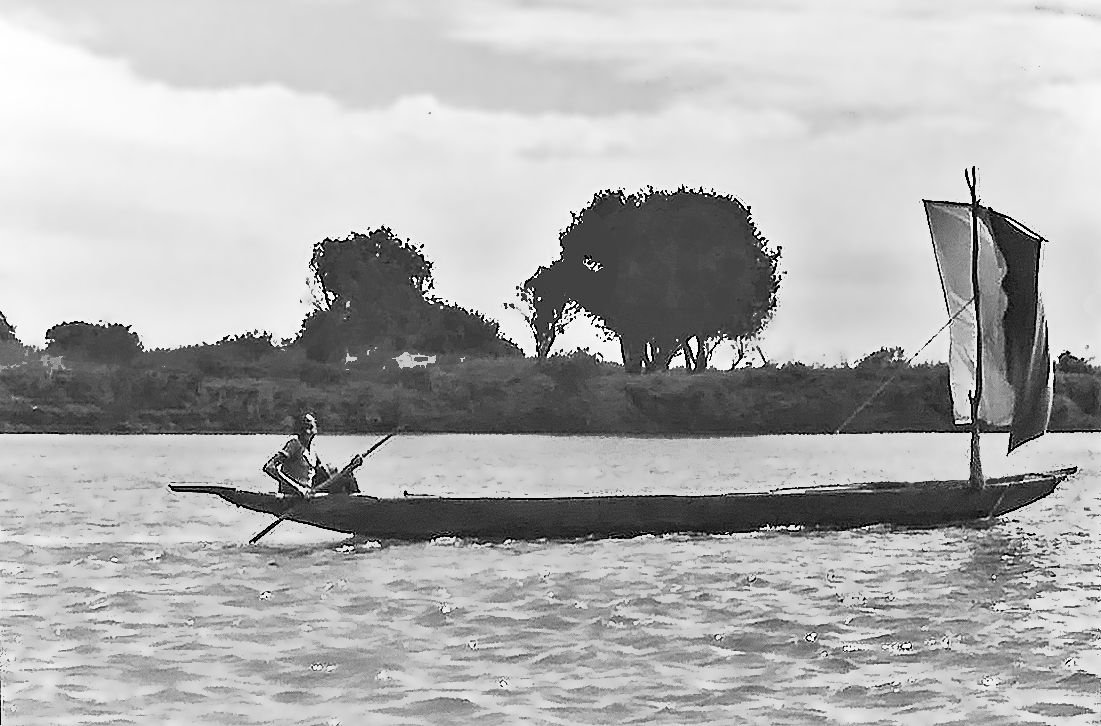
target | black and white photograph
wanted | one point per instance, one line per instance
(550, 362)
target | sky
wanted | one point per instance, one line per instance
(170, 165)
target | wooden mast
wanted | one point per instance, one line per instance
(976, 477)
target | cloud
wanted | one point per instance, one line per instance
(821, 61)
(189, 210)
(364, 55)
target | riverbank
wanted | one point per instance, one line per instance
(574, 394)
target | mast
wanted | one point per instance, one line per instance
(976, 477)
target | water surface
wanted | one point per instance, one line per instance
(125, 603)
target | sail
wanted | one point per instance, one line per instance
(1017, 373)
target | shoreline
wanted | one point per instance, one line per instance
(575, 395)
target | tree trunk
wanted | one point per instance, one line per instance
(739, 353)
(633, 355)
(545, 330)
(659, 356)
(695, 360)
(544, 341)
(701, 354)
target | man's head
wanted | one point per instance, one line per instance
(306, 425)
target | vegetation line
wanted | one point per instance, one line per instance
(909, 361)
(239, 386)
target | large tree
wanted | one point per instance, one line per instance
(373, 290)
(668, 273)
(94, 342)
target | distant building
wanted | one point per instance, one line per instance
(52, 363)
(412, 360)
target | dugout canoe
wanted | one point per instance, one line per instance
(418, 517)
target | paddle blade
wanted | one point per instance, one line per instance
(267, 529)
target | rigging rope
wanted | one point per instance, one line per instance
(899, 370)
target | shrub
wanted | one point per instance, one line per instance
(571, 370)
(1069, 363)
(319, 374)
(883, 358)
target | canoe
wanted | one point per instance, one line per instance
(418, 517)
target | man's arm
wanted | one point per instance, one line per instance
(274, 469)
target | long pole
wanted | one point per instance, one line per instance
(976, 477)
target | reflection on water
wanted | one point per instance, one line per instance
(125, 603)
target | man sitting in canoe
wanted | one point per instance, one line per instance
(298, 468)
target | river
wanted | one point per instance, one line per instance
(125, 603)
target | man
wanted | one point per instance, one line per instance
(299, 469)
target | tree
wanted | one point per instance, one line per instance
(12, 351)
(373, 290)
(884, 358)
(668, 273)
(546, 309)
(345, 269)
(320, 336)
(1070, 363)
(450, 328)
(94, 342)
(7, 331)
(371, 287)
(743, 347)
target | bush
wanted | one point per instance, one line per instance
(1069, 363)
(13, 353)
(97, 343)
(1084, 390)
(417, 378)
(882, 359)
(248, 346)
(572, 370)
(319, 374)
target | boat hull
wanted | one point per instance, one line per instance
(915, 504)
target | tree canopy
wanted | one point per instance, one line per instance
(666, 273)
(7, 331)
(373, 290)
(94, 342)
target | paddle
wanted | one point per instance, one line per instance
(352, 465)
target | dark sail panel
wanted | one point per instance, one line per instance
(1028, 359)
